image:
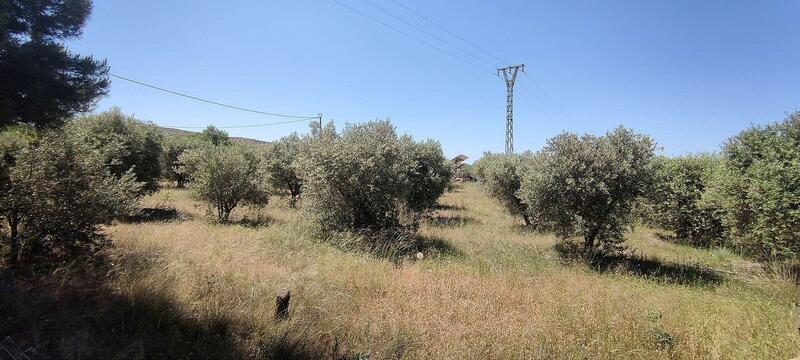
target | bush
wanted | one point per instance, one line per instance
(499, 176)
(586, 186)
(678, 201)
(369, 179)
(427, 174)
(172, 148)
(465, 172)
(280, 157)
(124, 142)
(59, 191)
(759, 188)
(226, 176)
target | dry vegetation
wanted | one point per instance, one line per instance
(487, 288)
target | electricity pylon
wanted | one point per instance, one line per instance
(510, 75)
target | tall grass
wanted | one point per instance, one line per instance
(497, 290)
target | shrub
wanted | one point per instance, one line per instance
(678, 199)
(426, 172)
(226, 176)
(58, 192)
(124, 142)
(280, 157)
(499, 176)
(172, 148)
(465, 172)
(369, 179)
(586, 186)
(759, 188)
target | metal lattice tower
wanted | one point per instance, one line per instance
(510, 75)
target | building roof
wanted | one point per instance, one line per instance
(460, 158)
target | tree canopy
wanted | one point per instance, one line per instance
(586, 186)
(41, 82)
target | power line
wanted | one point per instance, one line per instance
(556, 108)
(545, 110)
(412, 36)
(211, 101)
(423, 17)
(241, 126)
(428, 33)
(545, 94)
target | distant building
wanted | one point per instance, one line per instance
(460, 173)
(458, 161)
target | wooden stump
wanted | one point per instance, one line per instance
(282, 304)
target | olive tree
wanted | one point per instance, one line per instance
(172, 148)
(586, 186)
(227, 176)
(427, 174)
(369, 179)
(124, 142)
(679, 199)
(499, 176)
(215, 136)
(58, 192)
(280, 157)
(759, 188)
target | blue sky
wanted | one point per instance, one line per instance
(689, 73)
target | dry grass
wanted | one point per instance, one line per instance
(504, 292)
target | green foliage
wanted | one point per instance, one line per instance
(123, 142)
(42, 82)
(369, 179)
(500, 176)
(586, 186)
(57, 194)
(215, 136)
(226, 176)
(171, 150)
(427, 174)
(280, 157)
(678, 201)
(12, 140)
(759, 187)
(465, 172)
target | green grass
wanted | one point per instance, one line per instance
(500, 291)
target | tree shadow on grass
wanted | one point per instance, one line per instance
(449, 207)
(450, 221)
(673, 239)
(255, 222)
(154, 215)
(76, 314)
(640, 265)
(396, 246)
(401, 249)
(431, 246)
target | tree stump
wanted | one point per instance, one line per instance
(282, 304)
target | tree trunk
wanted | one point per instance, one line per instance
(294, 191)
(588, 242)
(527, 220)
(13, 224)
(221, 213)
(180, 183)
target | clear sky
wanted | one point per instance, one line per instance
(689, 73)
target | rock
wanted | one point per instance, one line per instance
(420, 256)
(282, 304)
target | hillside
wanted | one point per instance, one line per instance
(179, 132)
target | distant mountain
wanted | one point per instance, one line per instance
(179, 132)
